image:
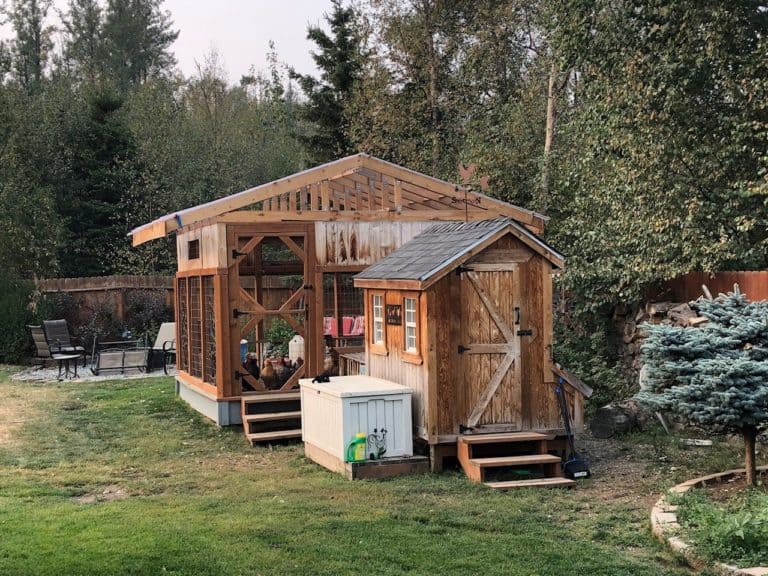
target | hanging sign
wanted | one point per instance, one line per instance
(394, 314)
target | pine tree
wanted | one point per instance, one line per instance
(715, 375)
(339, 60)
(32, 42)
(83, 43)
(137, 41)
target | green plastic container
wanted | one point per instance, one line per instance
(356, 448)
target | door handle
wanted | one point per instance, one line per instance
(517, 315)
(462, 349)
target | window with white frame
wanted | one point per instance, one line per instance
(377, 306)
(410, 324)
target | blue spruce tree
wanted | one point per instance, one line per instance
(715, 375)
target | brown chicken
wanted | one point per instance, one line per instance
(268, 376)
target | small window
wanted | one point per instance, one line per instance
(411, 347)
(378, 319)
(410, 325)
(193, 249)
(378, 335)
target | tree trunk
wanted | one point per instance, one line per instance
(549, 136)
(750, 434)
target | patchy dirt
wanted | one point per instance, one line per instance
(14, 411)
(107, 494)
(619, 471)
(734, 488)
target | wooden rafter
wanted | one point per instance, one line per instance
(379, 187)
(527, 217)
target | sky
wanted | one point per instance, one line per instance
(239, 30)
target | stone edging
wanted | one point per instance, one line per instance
(665, 527)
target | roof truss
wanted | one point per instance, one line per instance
(358, 187)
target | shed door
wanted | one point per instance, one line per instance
(279, 252)
(490, 348)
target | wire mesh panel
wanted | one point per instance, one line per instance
(210, 330)
(182, 306)
(195, 329)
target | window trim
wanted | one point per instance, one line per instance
(378, 347)
(412, 356)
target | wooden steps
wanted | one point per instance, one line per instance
(506, 437)
(526, 460)
(272, 416)
(536, 483)
(504, 461)
(256, 437)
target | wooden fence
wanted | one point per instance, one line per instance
(111, 291)
(688, 287)
(97, 291)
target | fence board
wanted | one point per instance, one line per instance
(688, 287)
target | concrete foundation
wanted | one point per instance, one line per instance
(224, 413)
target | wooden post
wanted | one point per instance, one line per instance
(224, 380)
(325, 193)
(336, 308)
(398, 196)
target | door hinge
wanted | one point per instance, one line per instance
(307, 286)
(462, 269)
(463, 349)
(525, 332)
(236, 254)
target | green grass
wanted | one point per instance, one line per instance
(735, 532)
(195, 499)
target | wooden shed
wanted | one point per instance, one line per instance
(462, 314)
(307, 233)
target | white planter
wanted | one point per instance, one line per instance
(332, 413)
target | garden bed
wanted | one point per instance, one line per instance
(727, 522)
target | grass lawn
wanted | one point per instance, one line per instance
(121, 477)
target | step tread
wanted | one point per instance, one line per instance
(538, 482)
(270, 416)
(277, 435)
(500, 438)
(515, 460)
(271, 397)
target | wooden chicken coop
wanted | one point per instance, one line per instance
(462, 314)
(307, 234)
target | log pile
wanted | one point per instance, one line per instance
(628, 321)
(621, 417)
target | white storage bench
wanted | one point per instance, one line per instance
(333, 412)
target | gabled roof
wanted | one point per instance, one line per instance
(443, 248)
(358, 187)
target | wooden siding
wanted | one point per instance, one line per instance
(213, 248)
(394, 367)
(361, 243)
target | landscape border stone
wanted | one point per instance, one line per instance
(665, 526)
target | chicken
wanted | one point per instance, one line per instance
(268, 376)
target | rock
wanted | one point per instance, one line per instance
(619, 418)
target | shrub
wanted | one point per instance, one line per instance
(733, 533)
(16, 314)
(279, 334)
(145, 310)
(584, 346)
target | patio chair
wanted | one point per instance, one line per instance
(164, 348)
(58, 338)
(42, 351)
